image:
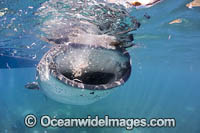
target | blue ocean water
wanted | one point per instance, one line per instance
(164, 82)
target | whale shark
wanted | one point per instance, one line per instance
(81, 74)
(88, 57)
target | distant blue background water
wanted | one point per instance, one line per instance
(164, 81)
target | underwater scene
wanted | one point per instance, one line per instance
(134, 62)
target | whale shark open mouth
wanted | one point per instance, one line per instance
(81, 74)
(89, 66)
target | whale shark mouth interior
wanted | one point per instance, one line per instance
(92, 66)
(93, 78)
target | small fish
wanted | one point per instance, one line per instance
(194, 3)
(176, 21)
(138, 4)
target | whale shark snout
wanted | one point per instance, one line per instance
(82, 74)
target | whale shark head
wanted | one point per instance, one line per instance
(81, 74)
(88, 59)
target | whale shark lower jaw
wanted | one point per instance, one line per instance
(82, 74)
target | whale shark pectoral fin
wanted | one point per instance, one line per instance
(32, 86)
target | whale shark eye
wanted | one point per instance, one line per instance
(136, 3)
